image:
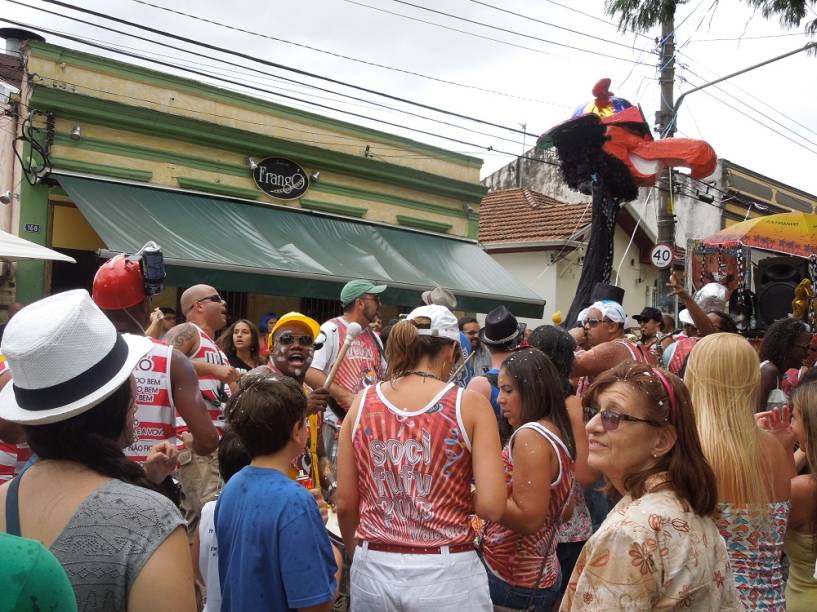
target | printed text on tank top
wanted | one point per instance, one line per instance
(214, 391)
(414, 471)
(155, 417)
(362, 365)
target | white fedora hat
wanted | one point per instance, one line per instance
(65, 358)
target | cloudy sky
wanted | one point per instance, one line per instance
(539, 64)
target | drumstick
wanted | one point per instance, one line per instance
(462, 365)
(352, 332)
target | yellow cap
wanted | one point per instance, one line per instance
(297, 317)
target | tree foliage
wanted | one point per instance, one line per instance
(641, 15)
(790, 12)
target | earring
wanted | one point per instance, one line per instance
(655, 455)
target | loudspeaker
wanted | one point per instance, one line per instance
(776, 280)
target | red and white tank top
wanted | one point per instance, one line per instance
(517, 558)
(12, 456)
(212, 389)
(155, 410)
(414, 471)
(363, 364)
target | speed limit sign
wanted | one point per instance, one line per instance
(661, 256)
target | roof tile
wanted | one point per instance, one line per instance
(519, 215)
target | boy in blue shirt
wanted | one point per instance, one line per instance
(274, 553)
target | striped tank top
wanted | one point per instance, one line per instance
(363, 364)
(214, 392)
(155, 411)
(517, 558)
(414, 471)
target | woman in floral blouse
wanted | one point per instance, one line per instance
(659, 547)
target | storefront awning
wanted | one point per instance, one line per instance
(241, 246)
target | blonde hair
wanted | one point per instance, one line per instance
(804, 400)
(723, 377)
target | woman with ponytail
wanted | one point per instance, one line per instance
(410, 449)
(121, 543)
(751, 467)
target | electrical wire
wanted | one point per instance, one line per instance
(280, 66)
(253, 87)
(349, 58)
(499, 29)
(559, 27)
(746, 93)
(286, 79)
(597, 18)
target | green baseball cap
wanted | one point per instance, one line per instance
(357, 288)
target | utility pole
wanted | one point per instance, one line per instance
(666, 123)
(520, 180)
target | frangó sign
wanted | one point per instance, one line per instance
(281, 178)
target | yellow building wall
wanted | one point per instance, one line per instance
(114, 82)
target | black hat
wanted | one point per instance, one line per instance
(650, 313)
(501, 327)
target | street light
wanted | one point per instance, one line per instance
(679, 101)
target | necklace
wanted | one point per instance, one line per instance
(423, 375)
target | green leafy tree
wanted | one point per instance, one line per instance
(641, 15)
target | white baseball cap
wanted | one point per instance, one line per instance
(443, 322)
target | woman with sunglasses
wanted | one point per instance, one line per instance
(409, 450)
(242, 345)
(751, 467)
(659, 547)
(519, 550)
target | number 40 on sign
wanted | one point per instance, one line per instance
(661, 256)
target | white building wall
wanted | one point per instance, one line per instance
(554, 276)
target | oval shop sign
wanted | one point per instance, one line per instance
(281, 178)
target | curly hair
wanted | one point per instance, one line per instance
(263, 411)
(225, 341)
(778, 341)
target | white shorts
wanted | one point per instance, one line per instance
(396, 582)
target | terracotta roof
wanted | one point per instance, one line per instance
(520, 215)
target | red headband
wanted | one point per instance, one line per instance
(673, 407)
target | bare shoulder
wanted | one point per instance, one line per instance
(181, 335)
(804, 488)
(480, 386)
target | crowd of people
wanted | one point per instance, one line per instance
(428, 463)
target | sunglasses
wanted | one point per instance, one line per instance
(594, 322)
(610, 419)
(287, 339)
(210, 298)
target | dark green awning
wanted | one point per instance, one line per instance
(241, 246)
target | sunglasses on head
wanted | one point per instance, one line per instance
(610, 419)
(287, 339)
